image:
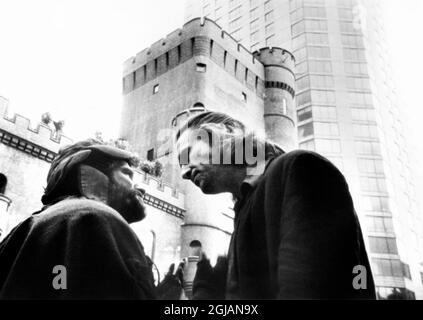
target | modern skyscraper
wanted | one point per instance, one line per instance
(347, 110)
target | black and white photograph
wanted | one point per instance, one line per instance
(218, 150)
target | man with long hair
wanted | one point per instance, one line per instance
(296, 234)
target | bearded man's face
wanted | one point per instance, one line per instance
(124, 197)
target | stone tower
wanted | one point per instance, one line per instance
(279, 93)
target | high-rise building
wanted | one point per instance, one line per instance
(347, 110)
(196, 68)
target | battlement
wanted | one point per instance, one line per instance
(160, 194)
(275, 56)
(17, 127)
(197, 27)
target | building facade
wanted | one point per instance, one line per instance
(26, 153)
(195, 68)
(347, 110)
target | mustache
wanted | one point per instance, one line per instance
(138, 192)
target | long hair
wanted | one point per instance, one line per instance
(232, 133)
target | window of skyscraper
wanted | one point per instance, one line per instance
(305, 130)
(320, 66)
(206, 9)
(303, 98)
(356, 68)
(254, 3)
(365, 131)
(303, 83)
(387, 293)
(300, 54)
(367, 115)
(297, 28)
(354, 54)
(406, 269)
(358, 83)
(349, 27)
(345, 3)
(317, 38)
(383, 245)
(318, 81)
(235, 13)
(297, 14)
(270, 40)
(324, 113)
(326, 129)
(268, 17)
(316, 25)
(376, 204)
(360, 99)
(307, 145)
(270, 28)
(379, 224)
(328, 146)
(299, 41)
(323, 97)
(318, 52)
(235, 24)
(367, 148)
(254, 37)
(301, 68)
(236, 34)
(254, 13)
(304, 114)
(371, 184)
(352, 41)
(254, 47)
(218, 12)
(387, 268)
(268, 5)
(374, 166)
(345, 14)
(295, 4)
(254, 25)
(233, 3)
(314, 12)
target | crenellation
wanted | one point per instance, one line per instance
(193, 28)
(41, 135)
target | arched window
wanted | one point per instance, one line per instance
(198, 105)
(195, 248)
(284, 106)
(3, 183)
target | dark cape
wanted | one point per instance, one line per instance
(297, 235)
(102, 255)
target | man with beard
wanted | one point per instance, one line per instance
(80, 244)
(296, 234)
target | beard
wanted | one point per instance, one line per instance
(128, 202)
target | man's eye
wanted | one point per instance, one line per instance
(128, 173)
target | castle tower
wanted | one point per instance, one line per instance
(279, 93)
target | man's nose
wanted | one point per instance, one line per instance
(186, 172)
(139, 189)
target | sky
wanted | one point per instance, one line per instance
(66, 56)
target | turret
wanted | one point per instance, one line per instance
(279, 93)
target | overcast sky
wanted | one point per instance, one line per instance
(65, 56)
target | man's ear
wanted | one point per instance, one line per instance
(94, 184)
